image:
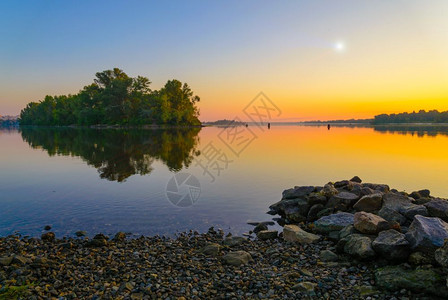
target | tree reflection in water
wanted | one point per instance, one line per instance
(116, 153)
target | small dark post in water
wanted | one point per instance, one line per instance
(329, 126)
(269, 125)
(247, 125)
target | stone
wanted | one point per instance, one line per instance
(395, 201)
(427, 233)
(441, 255)
(359, 246)
(260, 227)
(267, 235)
(369, 203)
(418, 258)
(367, 290)
(346, 231)
(237, 258)
(438, 208)
(328, 256)
(426, 281)
(80, 233)
(5, 260)
(234, 241)
(255, 223)
(369, 223)
(120, 237)
(345, 184)
(356, 179)
(412, 210)
(325, 212)
(47, 227)
(317, 198)
(20, 260)
(313, 212)
(307, 287)
(297, 192)
(211, 249)
(334, 222)
(48, 237)
(392, 245)
(329, 190)
(295, 234)
(295, 210)
(384, 188)
(391, 215)
(342, 201)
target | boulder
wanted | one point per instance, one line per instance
(329, 190)
(427, 233)
(267, 234)
(392, 245)
(395, 201)
(48, 237)
(342, 201)
(369, 203)
(328, 256)
(5, 260)
(412, 210)
(426, 281)
(312, 213)
(438, 208)
(293, 233)
(356, 179)
(237, 258)
(211, 249)
(317, 198)
(441, 255)
(369, 223)
(346, 231)
(384, 188)
(391, 215)
(298, 192)
(260, 227)
(334, 222)
(119, 237)
(294, 210)
(359, 246)
(305, 287)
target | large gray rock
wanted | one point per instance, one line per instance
(293, 233)
(267, 234)
(329, 190)
(237, 258)
(234, 241)
(412, 210)
(328, 256)
(359, 246)
(392, 245)
(384, 188)
(312, 213)
(342, 201)
(295, 210)
(298, 192)
(369, 203)
(438, 208)
(427, 234)
(426, 281)
(391, 215)
(396, 201)
(317, 198)
(211, 249)
(441, 255)
(334, 222)
(369, 223)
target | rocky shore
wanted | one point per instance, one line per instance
(344, 240)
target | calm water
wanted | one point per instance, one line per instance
(116, 180)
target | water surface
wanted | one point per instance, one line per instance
(116, 180)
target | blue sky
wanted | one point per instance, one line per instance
(223, 49)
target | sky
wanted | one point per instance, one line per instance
(318, 59)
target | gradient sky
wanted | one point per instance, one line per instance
(395, 55)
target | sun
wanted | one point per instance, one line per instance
(339, 46)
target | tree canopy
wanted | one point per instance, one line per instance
(432, 116)
(116, 98)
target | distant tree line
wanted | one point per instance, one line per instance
(8, 123)
(432, 116)
(116, 98)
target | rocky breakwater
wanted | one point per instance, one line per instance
(403, 236)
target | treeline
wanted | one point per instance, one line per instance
(115, 98)
(432, 116)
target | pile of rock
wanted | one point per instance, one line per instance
(371, 221)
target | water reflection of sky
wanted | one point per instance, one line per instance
(66, 192)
